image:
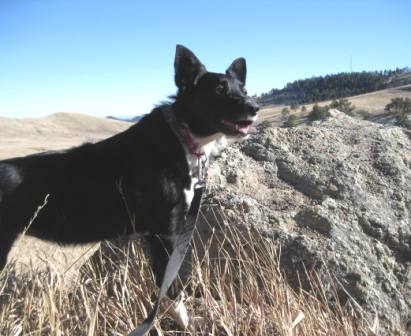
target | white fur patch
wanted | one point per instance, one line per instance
(211, 146)
(181, 313)
(177, 310)
(189, 193)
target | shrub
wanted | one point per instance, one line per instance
(291, 121)
(319, 112)
(294, 107)
(364, 114)
(285, 112)
(343, 105)
(401, 109)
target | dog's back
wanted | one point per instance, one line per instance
(96, 191)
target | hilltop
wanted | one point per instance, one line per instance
(57, 131)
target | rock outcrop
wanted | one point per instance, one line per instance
(336, 195)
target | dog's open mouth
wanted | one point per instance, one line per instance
(238, 127)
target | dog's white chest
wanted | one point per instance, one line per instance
(189, 193)
(211, 149)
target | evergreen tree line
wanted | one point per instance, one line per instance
(334, 86)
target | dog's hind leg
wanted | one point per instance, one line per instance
(7, 239)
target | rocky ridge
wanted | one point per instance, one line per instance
(336, 195)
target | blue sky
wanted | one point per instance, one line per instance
(116, 57)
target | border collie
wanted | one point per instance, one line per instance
(137, 181)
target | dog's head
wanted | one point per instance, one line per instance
(210, 102)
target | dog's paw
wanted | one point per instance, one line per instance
(178, 312)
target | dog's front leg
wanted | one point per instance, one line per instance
(161, 248)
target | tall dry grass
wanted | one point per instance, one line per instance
(237, 288)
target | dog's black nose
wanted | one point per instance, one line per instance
(253, 108)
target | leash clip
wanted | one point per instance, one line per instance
(201, 163)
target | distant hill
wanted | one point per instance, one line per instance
(372, 102)
(132, 119)
(56, 131)
(335, 86)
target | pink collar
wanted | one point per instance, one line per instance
(184, 134)
(189, 141)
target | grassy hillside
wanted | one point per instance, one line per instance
(373, 102)
(341, 85)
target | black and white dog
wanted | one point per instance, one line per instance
(139, 180)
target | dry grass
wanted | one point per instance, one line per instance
(237, 289)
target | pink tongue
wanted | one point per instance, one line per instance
(244, 129)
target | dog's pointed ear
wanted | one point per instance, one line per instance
(238, 69)
(188, 68)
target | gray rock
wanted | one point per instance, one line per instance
(314, 220)
(336, 194)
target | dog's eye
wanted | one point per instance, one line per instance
(221, 88)
(243, 89)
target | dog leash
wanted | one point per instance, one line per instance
(182, 242)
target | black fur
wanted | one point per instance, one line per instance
(133, 181)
